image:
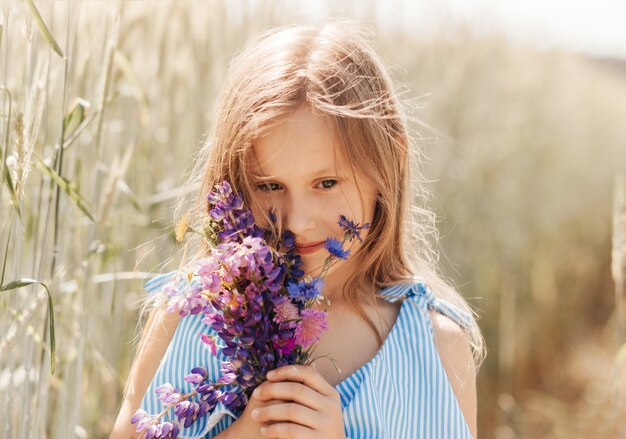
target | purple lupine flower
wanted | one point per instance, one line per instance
(229, 213)
(143, 424)
(200, 371)
(174, 398)
(189, 413)
(164, 391)
(169, 430)
(190, 302)
(288, 240)
(138, 416)
(335, 248)
(234, 400)
(152, 431)
(227, 378)
(194, 378)
(181, 408)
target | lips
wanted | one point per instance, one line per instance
(309, 248)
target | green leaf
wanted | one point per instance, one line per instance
(17, 284)
(68, 187)
(41, 25)
(24, 283)
(9, 182)
(90, 116)
(75, 116)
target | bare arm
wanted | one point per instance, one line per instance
(155, 339)
(456, 356)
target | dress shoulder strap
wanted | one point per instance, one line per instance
(421, 292)
(157, 282)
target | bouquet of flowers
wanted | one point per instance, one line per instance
(251, 291)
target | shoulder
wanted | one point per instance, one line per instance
(456, 357)
(450, 333)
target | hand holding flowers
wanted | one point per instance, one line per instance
(312, 407)
(257, 302)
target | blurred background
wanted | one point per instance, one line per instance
(520, 108)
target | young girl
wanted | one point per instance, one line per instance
(308, 123)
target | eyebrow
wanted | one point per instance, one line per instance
(319, 172)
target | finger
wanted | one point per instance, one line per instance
(303, 374)
(294, 413)
(287, 430)
(291, 391)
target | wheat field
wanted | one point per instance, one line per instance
(103, 104)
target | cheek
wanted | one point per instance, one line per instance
(360, 210)
(260, 207)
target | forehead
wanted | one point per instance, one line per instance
(299, 144)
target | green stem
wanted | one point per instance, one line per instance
(6, 250)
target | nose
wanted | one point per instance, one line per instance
(300, 216)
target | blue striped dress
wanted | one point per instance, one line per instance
(402, 392)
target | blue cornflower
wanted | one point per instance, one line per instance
(335, 248)
(303, 291)
(352, 229)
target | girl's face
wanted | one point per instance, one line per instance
(293, 168)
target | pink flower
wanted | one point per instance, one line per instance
(210, 341)
(285, 311)
(311, 326)
(285, 347)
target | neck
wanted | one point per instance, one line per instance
(334, 283)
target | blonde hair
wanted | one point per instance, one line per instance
(335, 70)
